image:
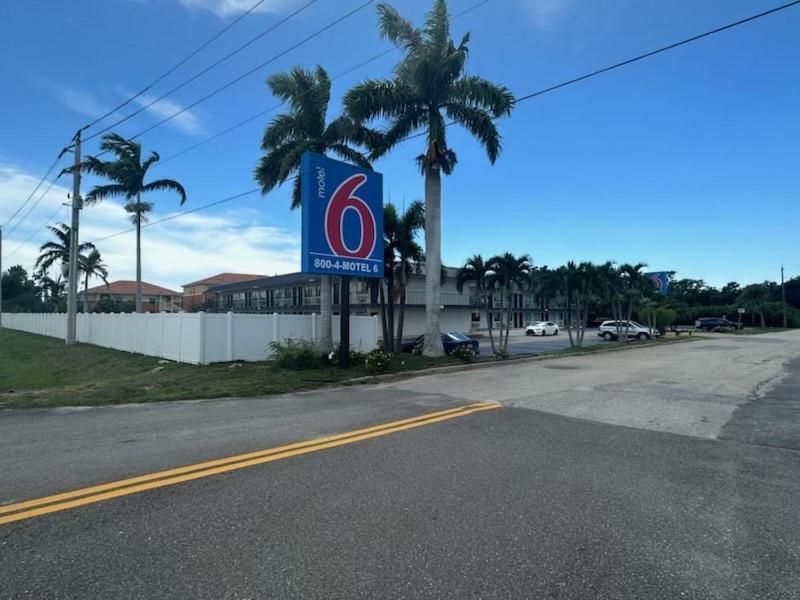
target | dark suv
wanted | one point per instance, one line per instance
(715, 324)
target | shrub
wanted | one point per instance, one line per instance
(295, 354)
(377, 361)
(463, 353)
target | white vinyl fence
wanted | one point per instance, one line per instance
(197, 338)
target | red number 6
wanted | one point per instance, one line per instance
(343, 199)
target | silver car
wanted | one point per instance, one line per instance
(608, 330)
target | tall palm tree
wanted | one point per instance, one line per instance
(479, 272)
(91, 265)
(127, 172)
(510, 273)
(58, 250)
(408, 256)
(430, 86)
(303, 129)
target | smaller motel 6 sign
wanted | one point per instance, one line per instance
(342, 218)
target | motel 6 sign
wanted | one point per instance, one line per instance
(342, 218)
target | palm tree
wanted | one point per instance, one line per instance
(58, 250)
(479, 272)
(631, 282)
(754, 298)
(430, 86)
(127, 173)
(91, 265)
(303, 129)
(402, 254)
(510, 273)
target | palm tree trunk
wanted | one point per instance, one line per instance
(489, 318)
(86, 293)
(382, 297)
(389, 346)
(325, 342)
(139, 258)
(433, 261)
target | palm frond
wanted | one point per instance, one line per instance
(479, 93)
(166, 185)
(102, 192)
(480, 124)
(398, 30)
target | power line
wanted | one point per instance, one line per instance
(200, 73)
(34, 205)
(277, 106)
(35, 231)
(36, 189)
(255, 69)
(180, 214)
(521, 99)
(623, 63)
(659, 50)
(175, 67)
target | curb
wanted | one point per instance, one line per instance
(389, 377)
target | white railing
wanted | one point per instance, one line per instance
(196, 338)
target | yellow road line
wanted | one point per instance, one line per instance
(134, 485)
(9, 508)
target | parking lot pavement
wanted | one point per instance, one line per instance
(689, 389)
(519, 343)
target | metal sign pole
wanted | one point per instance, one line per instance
(344, 323)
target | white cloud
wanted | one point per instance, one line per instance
(226, 8)
(544, 13)
(173, 253)
(187, 121)
(80, 102)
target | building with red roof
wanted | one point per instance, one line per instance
(154, 297)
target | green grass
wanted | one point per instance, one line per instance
(38, 371)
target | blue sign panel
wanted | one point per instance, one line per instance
(342, 218)
(660, 280)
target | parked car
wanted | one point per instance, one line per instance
(715, 324)
(542, 328)
(450, 340)
(608, 330)
(598, 321)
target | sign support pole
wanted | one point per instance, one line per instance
(344, 323)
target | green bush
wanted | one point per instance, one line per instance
(463, 353)
(295, 354)
(377, 361)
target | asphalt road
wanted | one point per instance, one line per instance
(507, 503)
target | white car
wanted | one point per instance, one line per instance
(542, 328)
(608, 330)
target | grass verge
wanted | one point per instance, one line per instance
(614, 346)
(38, 372)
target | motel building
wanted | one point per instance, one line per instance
(299, 293)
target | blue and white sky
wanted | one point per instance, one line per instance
(686, 161)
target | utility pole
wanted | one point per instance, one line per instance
(783, 298)
(77, 204)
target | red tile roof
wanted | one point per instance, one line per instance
(128, 288)
(223, 278)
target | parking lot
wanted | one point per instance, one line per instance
(519, 343)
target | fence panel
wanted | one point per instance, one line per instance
(192, 337)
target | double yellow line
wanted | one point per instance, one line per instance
(133, 485)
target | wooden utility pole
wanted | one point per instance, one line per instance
(77, 204)
(783, 298)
